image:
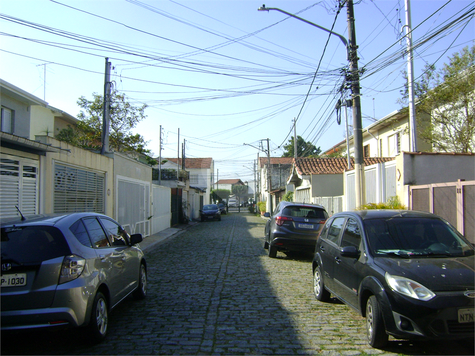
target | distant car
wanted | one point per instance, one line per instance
(222, 208)
(210, 211)
(68, 270)
(293, 227)
(232, 203)
(411, 274)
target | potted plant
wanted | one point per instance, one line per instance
(262, 207)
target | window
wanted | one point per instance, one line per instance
(335, 229)
(98, 237)
(7, 120)
(351, 235)
(117, 235)
(394, 145)
(80, 232)
(194, 178)
(366, 152)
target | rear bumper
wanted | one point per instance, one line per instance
(39, 318)
(294, 244)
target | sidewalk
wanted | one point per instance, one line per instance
(154, 240)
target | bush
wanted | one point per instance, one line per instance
(392, 203)
(289, 196)
(262, 206)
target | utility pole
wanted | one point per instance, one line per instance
(410, 78)
(360, 195)
(295, 138)
(106, 109)
(160, 159)
(269, 178)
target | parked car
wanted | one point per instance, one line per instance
(210, 211)
(293, 227)
(68, 270)
(222, 208)
(411, 274)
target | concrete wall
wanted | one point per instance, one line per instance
(21, 115)
(42, 122)
(325, 185)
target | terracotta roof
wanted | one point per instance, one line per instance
(230, 181)
(308, 166)
(191, 163)
(275, 160)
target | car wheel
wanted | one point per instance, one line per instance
(272, 251)
(141, 291)
(99, 318)
(266, 244)
(202, 219)
(318, 287)
(375, 330)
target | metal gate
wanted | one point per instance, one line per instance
(455, 202)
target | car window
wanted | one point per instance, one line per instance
(117, 235)
(335, 229)
(32, 244)
(304, 212)
(351, 235)
(415, 236)
(98, 237)
(79, 230)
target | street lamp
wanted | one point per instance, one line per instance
(353, 76)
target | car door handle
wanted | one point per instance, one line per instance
(337, 260)
(322, 248)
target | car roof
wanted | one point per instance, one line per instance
(310, 205)
(44, 219)
(387, 214)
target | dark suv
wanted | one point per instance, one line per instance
(293, 227)
(411, 274)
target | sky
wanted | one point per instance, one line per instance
(221, 77)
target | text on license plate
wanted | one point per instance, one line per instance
(466, 315)
(14, 280)
(306, 226)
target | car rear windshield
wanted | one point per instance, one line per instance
(32, 244)
(415, 236)
(304, 212)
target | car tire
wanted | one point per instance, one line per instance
(319, 290)
(375, 330)
(99, 322)
(272, 251)
(266, 244)
(141, 291)
(202, 220)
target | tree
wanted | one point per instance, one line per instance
(304, 149)
(220, 194)
(241, 191)
(447, 96)
(123, 118)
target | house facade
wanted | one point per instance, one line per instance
(278, 171)
(41, 175)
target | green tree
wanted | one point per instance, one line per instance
(220, 194)
(123, 118)
(241, 191)
(447, 96)
(304, 149)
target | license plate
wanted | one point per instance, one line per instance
(14, 280)
(306, 226)
(466, 315)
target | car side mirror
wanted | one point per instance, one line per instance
(349, 251)
(136, 238)
(267, 215)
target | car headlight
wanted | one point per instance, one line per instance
(409, 288)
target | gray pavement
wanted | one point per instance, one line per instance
(152, 241)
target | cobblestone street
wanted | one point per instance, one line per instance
(213, 290)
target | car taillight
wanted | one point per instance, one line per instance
(322, 221)
(280, 220)
(71, 268)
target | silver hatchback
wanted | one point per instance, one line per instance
(67, 271)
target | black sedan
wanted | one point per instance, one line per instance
(211, 212)
(411, 274)
(293, 227)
